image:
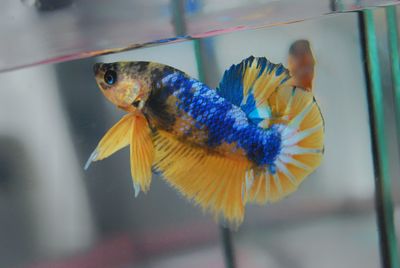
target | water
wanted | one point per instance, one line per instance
(47, 31)
(55, 214)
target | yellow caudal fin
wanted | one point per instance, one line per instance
(297, 116)
(115, 139)
(142, 154)
(212, 181)
(132, 129)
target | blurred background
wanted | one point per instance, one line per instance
(55, 214)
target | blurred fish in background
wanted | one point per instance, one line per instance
(301, 64)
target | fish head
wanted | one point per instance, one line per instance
(123, 84)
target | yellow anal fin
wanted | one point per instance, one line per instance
(213, 181)
(115, 139)
(142, 154)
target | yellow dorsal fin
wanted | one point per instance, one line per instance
(250, 83)
(212, 181)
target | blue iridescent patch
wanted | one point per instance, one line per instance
(231, 85)
(225, 122)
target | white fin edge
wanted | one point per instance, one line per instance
(92, 158)
(136, 188)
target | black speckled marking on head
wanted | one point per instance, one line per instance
(157, 106)
(156, 75)
(157, 101)
(110, 66)
(140, 66)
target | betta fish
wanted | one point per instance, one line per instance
(253, 139)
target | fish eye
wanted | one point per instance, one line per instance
(110, 77)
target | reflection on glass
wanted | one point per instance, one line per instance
(52, 212)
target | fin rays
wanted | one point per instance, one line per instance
(212, 181)
(287, 159)
(301, 135)
(217, 182)
(282, 167)
(278, 184)
(299, 118)
(115, 139)
(250, 83)
(131, 129)
(142, 154)
(301, 125)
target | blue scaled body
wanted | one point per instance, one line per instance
(221, 121)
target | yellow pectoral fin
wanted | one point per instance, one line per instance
(211, 180)
(115, 139)
(142, 154)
